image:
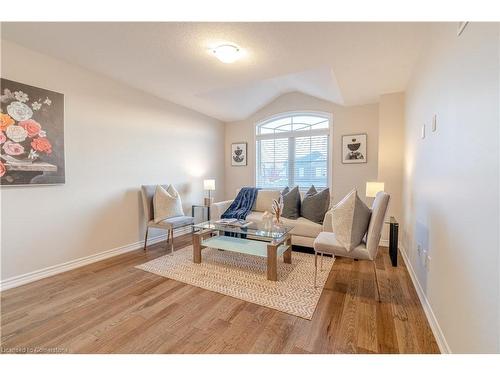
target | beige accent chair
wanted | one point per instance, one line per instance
(326, 242)
(169, 224)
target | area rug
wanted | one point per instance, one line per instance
(244, 276)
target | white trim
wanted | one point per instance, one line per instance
(281, 115)
(429, 314)
(431, 317)
(29, 277)
(295, 134)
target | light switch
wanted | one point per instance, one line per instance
(422, 134)
(434, 125)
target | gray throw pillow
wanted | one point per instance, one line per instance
(315, 204)
(312, 190)
(350, 218)
(291, 203)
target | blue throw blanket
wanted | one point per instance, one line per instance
(242, 204)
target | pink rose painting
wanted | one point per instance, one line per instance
(12, 148)
(32, 127)
(31, 135)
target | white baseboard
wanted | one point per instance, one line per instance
(29, 277)
(384, 243)
(431, 318)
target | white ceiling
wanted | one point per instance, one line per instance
(346, 63)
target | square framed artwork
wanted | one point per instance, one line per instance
(239, 154)
(31, 135)
(354, 148)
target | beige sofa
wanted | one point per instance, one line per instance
(304, 231)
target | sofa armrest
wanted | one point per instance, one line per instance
(218, 208)
(327, 221)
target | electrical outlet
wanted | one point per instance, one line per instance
(422, 132)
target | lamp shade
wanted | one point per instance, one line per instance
(372, 188)
(208, 184)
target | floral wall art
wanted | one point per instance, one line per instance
(31, 135)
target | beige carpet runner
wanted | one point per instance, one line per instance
(244, 277)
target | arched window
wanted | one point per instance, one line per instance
(293, 149)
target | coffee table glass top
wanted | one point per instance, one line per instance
(254, 229)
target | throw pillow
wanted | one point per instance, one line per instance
(315, 204)
(264, 200)
(350, 218)
(166, 203)
(291, 203)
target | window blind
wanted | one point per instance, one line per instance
(272, 163)
(311, 162)
(293, 150)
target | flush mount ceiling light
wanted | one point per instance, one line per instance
(227, 53)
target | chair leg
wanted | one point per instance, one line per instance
(172, 241)
(321, 263)
(315, 267)
(146, 238)
(168, 240)
(376, 281)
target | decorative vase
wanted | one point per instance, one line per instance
(278, 209)
(267, 221)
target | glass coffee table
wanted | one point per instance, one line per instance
(253, 239)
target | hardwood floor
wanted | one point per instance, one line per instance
(111, 307)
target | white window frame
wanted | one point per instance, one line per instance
(329, 132)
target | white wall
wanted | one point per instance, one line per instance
(451, 188)
(391, 127)
(346, 120)
(116, 138)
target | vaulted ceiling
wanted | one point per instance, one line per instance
(346, 63)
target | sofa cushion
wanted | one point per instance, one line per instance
(314, 205)
(327, 243)
(291, 203)
(265, 199)
(255, 216)
(174, 222)
(350, 219)
(301, 227)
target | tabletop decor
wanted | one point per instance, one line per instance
(278, 208)
(267, 221)
(31, 135)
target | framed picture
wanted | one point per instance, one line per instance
(239, 154)
(31, 135)
(354, 148)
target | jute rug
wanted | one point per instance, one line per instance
(244, 276)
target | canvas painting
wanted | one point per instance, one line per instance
(239, 154)
(31, 135)
(354, 148)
